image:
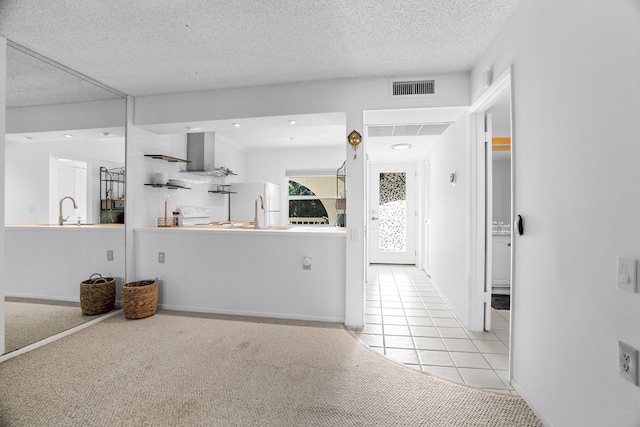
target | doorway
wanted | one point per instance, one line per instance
(68, 178)
(493, 206)
(392, 214)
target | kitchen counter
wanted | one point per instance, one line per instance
(278, 229)
(246, 271)
(65, 227)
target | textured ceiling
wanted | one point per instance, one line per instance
(30, 81)
(146, 47)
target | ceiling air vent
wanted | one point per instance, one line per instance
(413, 88)
(380, 130)
(426, 129)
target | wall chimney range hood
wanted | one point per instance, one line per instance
(201, 154)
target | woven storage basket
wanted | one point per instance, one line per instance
(140, 299)
(97, 296)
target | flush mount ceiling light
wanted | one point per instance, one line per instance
(290, 138)
(28, 137)
(67, 135)
(293, 122)
(401, 146)
(236, 125)
(106, 134)
(189, 129)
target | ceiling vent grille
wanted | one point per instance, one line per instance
(406, 130)
(413, 88)
(433, 129)
(426, 129)
(382, 130)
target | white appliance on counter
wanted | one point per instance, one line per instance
(243, 202)
(194, 215)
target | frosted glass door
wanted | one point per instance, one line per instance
(392, 214)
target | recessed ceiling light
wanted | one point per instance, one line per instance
(28, 137)
(290, 138)
(237, 125)
(293, 122)
(401, 146)
(67, 135)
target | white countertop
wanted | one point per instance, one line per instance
(284, 230)
(66, 226)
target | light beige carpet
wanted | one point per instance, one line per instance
(171, 370)
(28, 321)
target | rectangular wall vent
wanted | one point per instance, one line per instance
(426, 129)
(413, 87)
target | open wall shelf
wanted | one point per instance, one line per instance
(169, 159)
(170, 187)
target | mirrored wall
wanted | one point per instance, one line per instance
(64, 194)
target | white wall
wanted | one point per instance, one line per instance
(103, 114)
(344, 95)
(576, 81)
(63, 257)
(449, 217)
(239, 272)
(271, 166)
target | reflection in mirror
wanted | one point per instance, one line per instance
(65, 151)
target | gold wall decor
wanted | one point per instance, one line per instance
(354, 139)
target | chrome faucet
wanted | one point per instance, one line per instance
(61, 219)
(255, 220)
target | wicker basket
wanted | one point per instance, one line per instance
(97, 296)
(140, 299)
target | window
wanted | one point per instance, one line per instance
(312, 199)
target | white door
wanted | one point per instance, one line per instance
(392, 214)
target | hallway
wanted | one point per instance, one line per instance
(407, 321)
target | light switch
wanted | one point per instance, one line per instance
(627, 274)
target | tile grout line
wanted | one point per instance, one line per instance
(422, 289)
(404, 314)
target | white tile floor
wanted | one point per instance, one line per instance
(407, 321)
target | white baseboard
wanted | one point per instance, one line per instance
(253, 313)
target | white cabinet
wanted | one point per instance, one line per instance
(501, 262)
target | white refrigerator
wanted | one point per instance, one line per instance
(243, 202)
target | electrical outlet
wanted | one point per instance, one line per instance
(628, 362)
(110, 255)
(161, 257)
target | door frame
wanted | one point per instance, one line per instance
(412, 232)
(478, 225)
(424, 217)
